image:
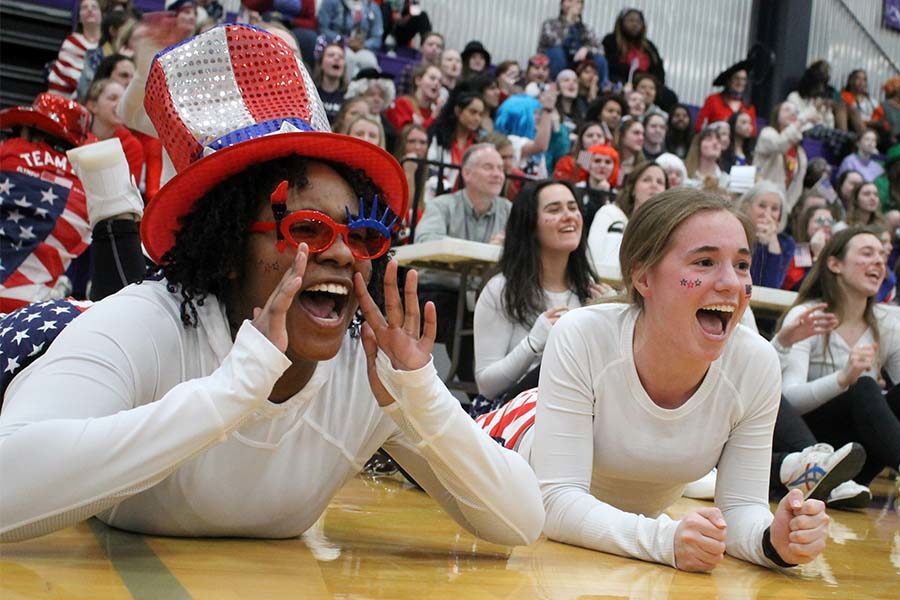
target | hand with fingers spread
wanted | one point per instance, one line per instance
(396, 332)
(700, 540)
(800, 528)
(271, 319)
(812, 321)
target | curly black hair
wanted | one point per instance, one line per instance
(210, 245)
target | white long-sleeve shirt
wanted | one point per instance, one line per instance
(505, 350)
(609, 460)
(167, 430)
(810, 369)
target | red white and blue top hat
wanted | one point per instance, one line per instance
(233, 97)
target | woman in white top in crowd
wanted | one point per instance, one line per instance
(605, 235)
(638, 399)
(232, 398)
(835, 379)
(536, 283)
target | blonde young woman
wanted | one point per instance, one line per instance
(638, 399)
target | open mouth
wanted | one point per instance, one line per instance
(325, 301)
(570, 229)
(714, 318)
(875, 277)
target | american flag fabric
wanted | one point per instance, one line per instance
(508, 423)
(43, 222)
(26, 334)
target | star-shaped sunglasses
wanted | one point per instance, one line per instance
(367, 237)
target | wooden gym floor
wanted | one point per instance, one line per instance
(381, 539)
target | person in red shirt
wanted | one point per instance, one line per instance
(417, 108)
(43, 209)
(720, 107)
(569, 168)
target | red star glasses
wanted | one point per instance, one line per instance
(367, 237)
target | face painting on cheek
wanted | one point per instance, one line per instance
(269, 267)
(748, 290)
(691, 283)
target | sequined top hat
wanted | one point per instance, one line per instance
(58, 116)
(233, 97)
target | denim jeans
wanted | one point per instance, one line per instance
(559, 61)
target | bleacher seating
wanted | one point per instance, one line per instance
(29, 38)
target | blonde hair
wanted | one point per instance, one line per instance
(692, 160)
(377, 122)
(96, 90)
(649, 231)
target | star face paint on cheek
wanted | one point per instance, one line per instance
(690, 284)
(748, 289)
(269, 267)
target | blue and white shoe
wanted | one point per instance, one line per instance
(822, 468)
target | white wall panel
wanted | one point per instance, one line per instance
(849, 35)
(696, 38)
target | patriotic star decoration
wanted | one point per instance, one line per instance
(26, 334)
(22, 202)
(15, 216)
(6, 186)
(11, 365)
(26, 233)
(48, 196)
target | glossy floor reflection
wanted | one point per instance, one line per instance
(380, 539)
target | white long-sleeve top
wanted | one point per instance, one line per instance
(604, 244)
(505, 350)
(609, 460)
(167, 430)
(810, 369)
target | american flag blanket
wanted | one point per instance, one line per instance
(26, 334)
(43, 221)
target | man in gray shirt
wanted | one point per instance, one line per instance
(477, 213)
